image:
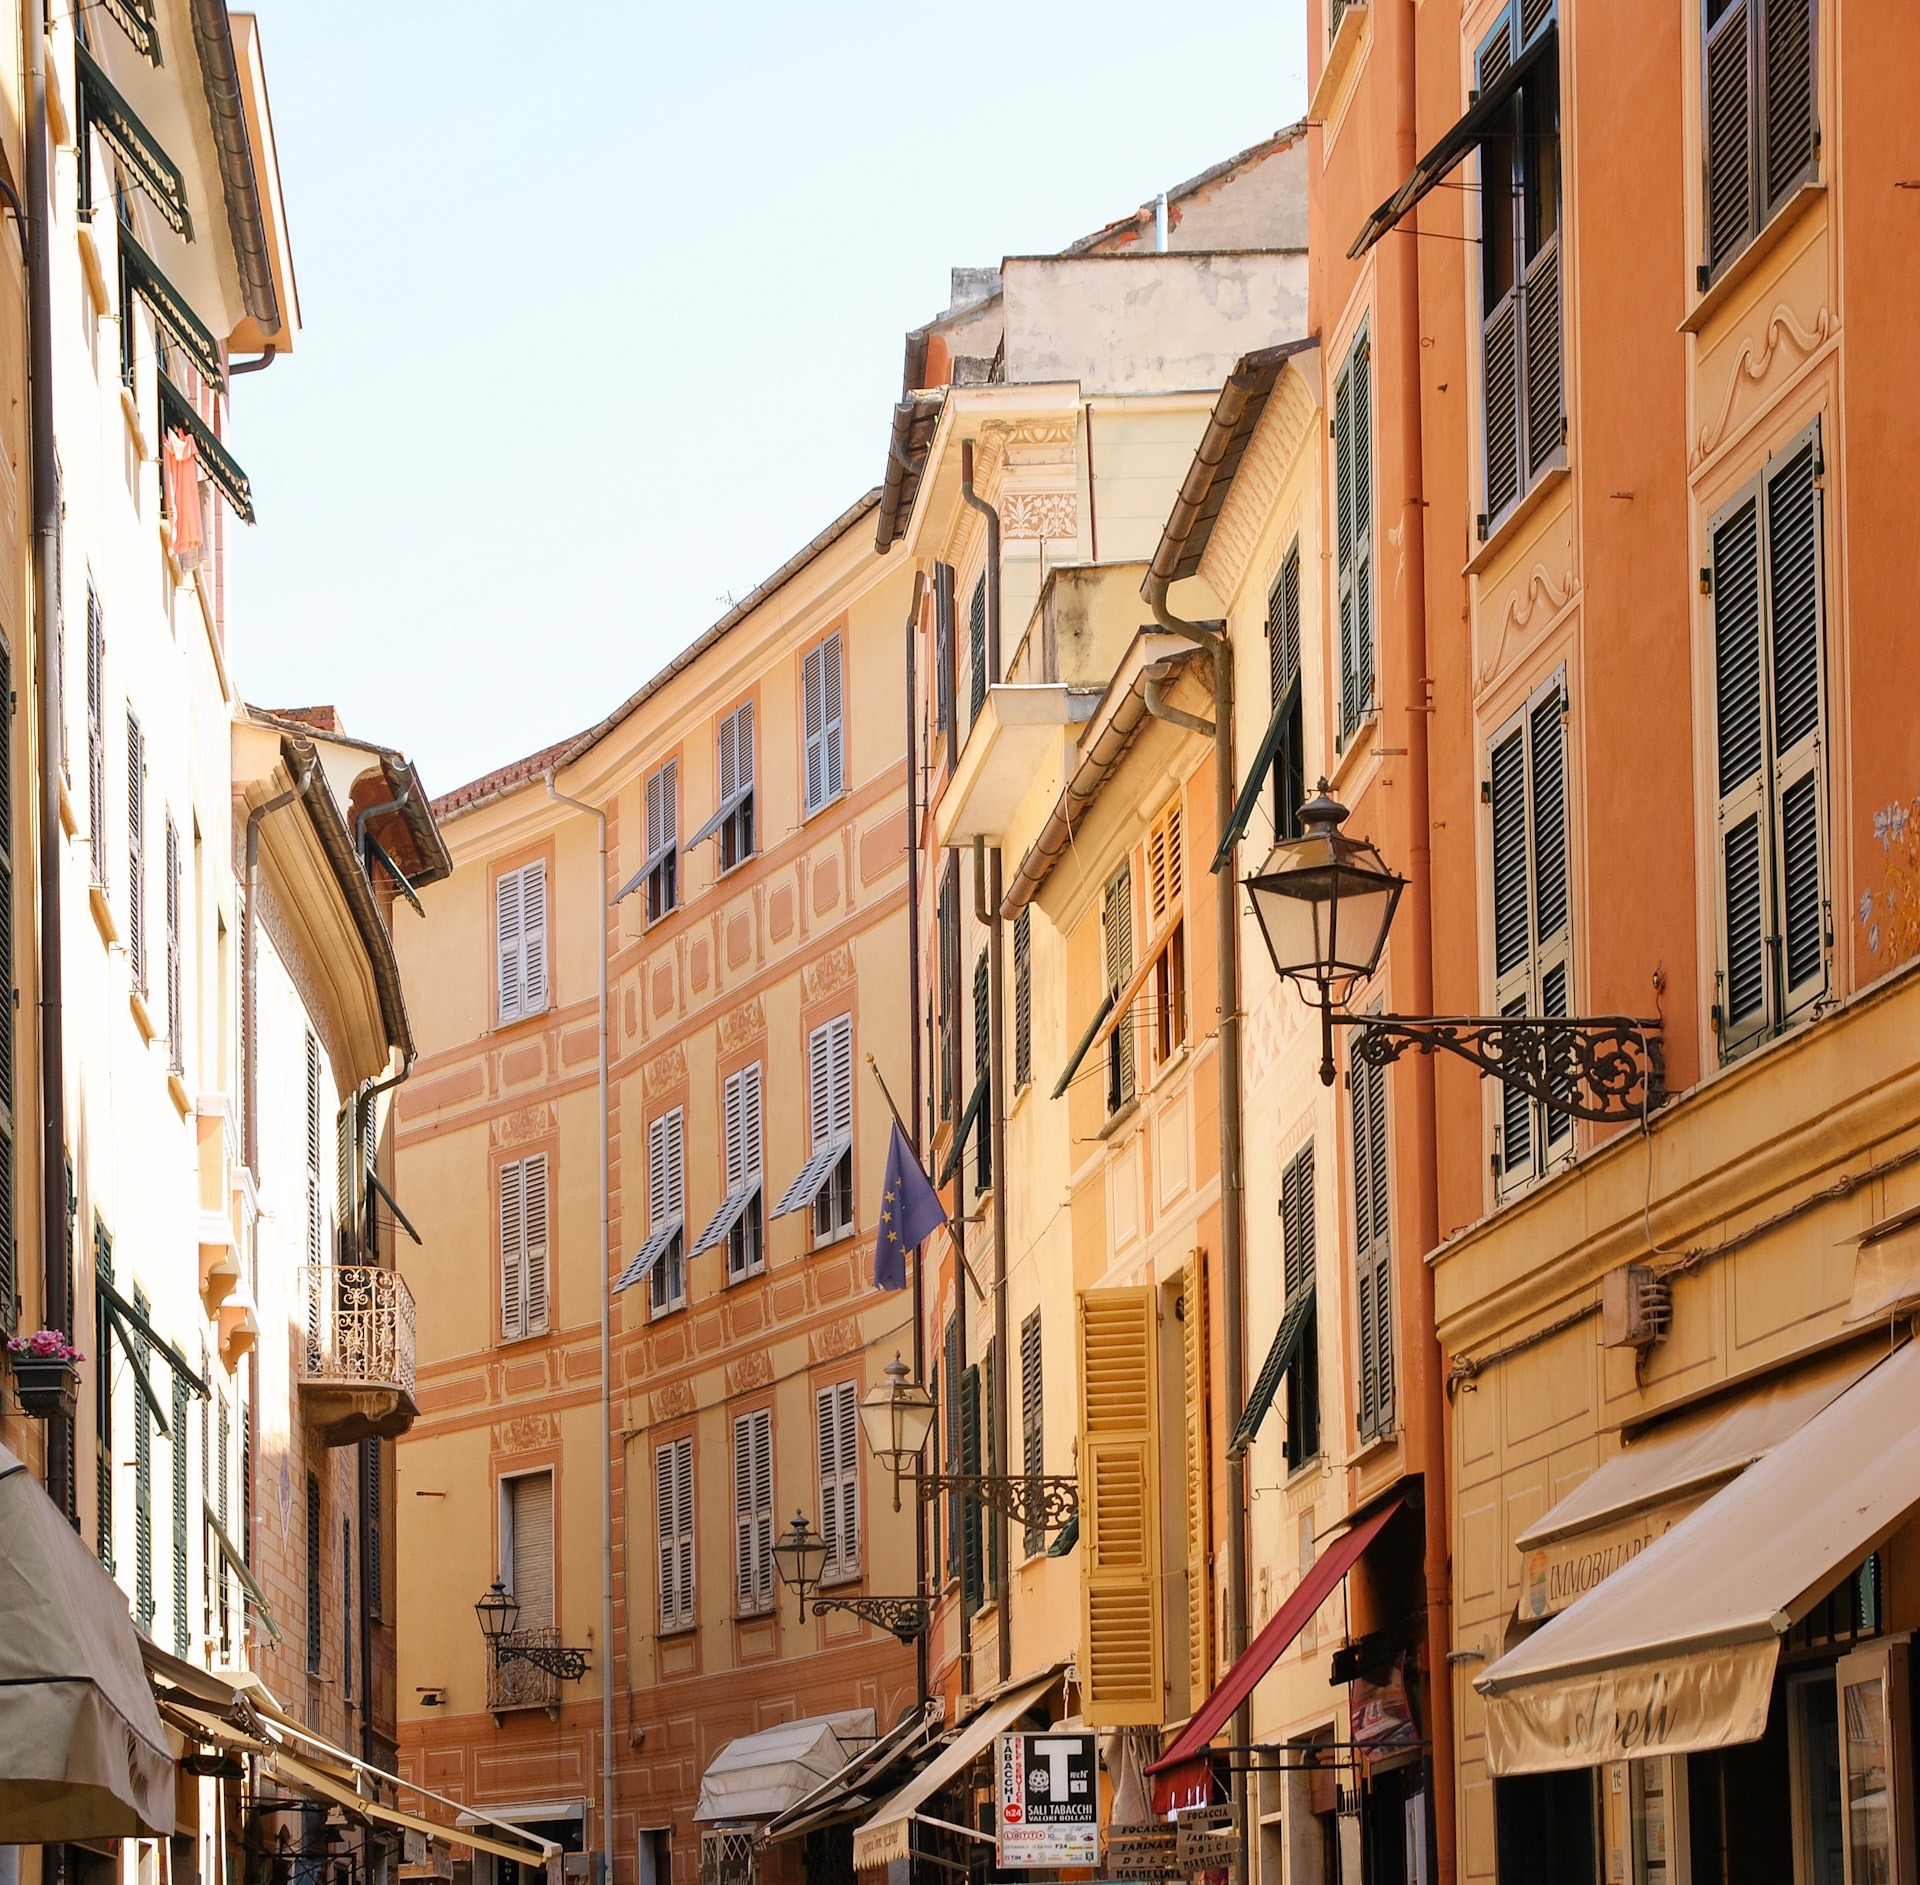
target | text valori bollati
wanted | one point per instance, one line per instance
(1567, 1568)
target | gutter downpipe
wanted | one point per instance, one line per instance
(56, 1298)
(606, 1365)
(920, 1654)
(1212, 638)
(1427, 1375)
(989, 882)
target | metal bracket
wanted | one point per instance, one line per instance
(904, 1617)
(1039, 1501)
(564, 1665)
(1606, 1068)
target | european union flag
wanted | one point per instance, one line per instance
(910, 1212)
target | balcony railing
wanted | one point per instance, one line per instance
(356, 1377)
(517, 1683)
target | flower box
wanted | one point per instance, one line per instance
(44, 1385)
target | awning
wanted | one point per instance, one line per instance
(83, 1752)
(889, 1834)
(169, 307)
(1676, 1651)
(969, 1118)
(1084, 1046)
(1256, 780)
(249, 1585)
(1191, 1743)
(649, 1254)
(222, 469)
(1280, 1357)
(851, 1790)
(103, 109)
(758, 1775)
(1454, 146)
(728, 1215)
(1654, 1482)
(812, 1175)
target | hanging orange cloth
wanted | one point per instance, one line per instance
(180, 461)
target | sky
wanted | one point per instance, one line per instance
(603, 308)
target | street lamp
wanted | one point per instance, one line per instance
(896, 1418)
(499, 1614)
(800, 1555)
(1324, 904)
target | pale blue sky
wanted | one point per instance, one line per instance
(604, 308)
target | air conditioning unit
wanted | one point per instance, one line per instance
(1636, 1308)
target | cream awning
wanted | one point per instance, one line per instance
(1676, 1651)
(1653, 1482)
(889, 1834)
(756, 1776)
(83, 1752)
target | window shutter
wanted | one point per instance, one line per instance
(96, 737)
(507, 928)
(1792, 139)
(837, 1449)
(1552, 908)
(763, 1507)
(1353, 477)
(950, 1361)
(840, 1035)
(735, 1154)
(8, 1272)
(1023, 998)
(533, 946)
(1739, 741)
(743, 1515)
(814, 710)
(343, 1173)
(1119, 1510)
(683, 1467)
(1541, 315)
(1343, 546)
(1731, 177)
(743, 746)
(673, 1526)
(949, 927)
(982, 1069)
(821, 686)
(314, 1596)
(1283, 678)
(175, 1020)
(973, 1588)
(1793, 612)
(1297, 1240)
(182, 1624)
(753, 1511)
(513, 1293)
(977, 652)
(530, 1548)
(1117, 923)
(534, 1191)
(833, 729)
(944, 657)
(1033, 1436)
(1500, 396)
(136, 855)
(1199, 1463)
(1163, 868)
(1373, 1281)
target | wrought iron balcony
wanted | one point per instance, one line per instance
(356, 1377)
(517, 1680)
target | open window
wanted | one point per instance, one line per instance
(732, 820)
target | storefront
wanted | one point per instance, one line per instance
(1708, 1679)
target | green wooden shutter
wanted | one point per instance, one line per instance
(313, 1575)
(944, 657)
(1373, 1276)
(1023, 998)
(982, 1065)
(977, 652)
(1729, 120)
(1303, 1373)
(1033, 1438)
(1283, 685)
(1353, 477)
(136, 854)
(1740, 770)
(182, 1626)
(949, 926)
(951, 1362)
(103, 1398)
(1117, 927)
(972, 1561)
(143, 1599)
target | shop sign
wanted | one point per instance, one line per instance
(1567, 1568)
(1049, 1794)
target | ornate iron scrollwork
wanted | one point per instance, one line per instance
(1040, 1501)
(1606, 1068)
(904, 1617)
(553, 1659)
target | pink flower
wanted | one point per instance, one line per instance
(44, 1345)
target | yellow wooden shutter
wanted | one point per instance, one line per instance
(1120, 1648)
(1199, 1511)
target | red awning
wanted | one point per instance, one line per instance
(1293, 1616)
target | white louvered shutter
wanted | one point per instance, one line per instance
(673, 1509)
(508, 929)
(753, 1511)
(812, 687)
(513, 1294)
(840, 1068)
(837, 1447)
(663, 809)
(743, 745)
(530, 1548)
(534, 1191)
(533, 944)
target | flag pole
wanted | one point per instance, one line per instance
(873, 1067)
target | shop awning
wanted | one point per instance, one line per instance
(852, 1789)
(1676, 1651)
(83, 1752)
(1190, 1745)
(1467, 132)
(889, 1834)
(758, 1775)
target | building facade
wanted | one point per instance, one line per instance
(751, 903)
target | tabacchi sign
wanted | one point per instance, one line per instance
(1049, 1800)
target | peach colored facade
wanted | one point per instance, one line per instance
(788, 944)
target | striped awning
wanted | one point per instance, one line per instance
(103, 109)
(169, 308)
(219, 464)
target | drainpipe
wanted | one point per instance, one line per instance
(1212, 638)
(56, 1297)
(606, 1362)
(988, 882)
(1426, 1370)
(914, 1102)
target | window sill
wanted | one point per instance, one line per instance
(142, 1016)
(1164, 1069)
(520, 1021)
(665, 1310)
(69, 818)
(1121, 1117)
(178, 1094)
(671, 1632)
(747, 1276)
(825, 805)
(130, 410)
(1783, 222)
(520, 1341)
(1370, 1450)
(821, 1245)
(1359, 745)
(1501, 535)
(841, 1580)
(1312, 1467)
(102, 914)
